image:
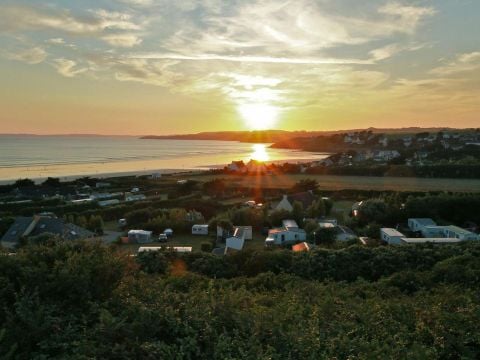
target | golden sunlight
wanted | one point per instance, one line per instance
(260, 153)
(259, 116)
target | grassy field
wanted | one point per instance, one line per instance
(331, 182)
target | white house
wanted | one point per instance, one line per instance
(453, 231)
(140, 236)
(420, 224)
(429, 229)
(306, 198)
(391, 236)
(284, 236)
(327, 223)
(200, 229)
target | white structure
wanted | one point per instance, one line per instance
(136, 197)
(290, 224)
(429, 229)
(456, 232)
(420, 224)
(284, 204)
(122, 222)
(179, 249)
(247, 231)
(168, 232)
(285, 236)
(237, 241)
(140, 236)
(391, 236)
(200, 230)
(109, 202)
(405, 241)
(327, 223)
(156, 176)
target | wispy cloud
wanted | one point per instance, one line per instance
(462, 63)
(31, 56)
(68, 68)
(122, 40)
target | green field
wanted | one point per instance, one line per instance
(332, 182)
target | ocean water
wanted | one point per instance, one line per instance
(62, 156)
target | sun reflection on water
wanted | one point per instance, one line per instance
(259, 153)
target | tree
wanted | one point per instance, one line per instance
(325, 236)
(317, 209)
(23, 183)
(297, 212)
(51, 182)
(206, 246)
(95, 224)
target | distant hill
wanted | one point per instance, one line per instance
(275, 136)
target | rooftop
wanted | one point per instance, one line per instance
(392, 232)
(424, 221)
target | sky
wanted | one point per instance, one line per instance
(168, 67)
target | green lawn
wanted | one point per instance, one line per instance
(332, 182)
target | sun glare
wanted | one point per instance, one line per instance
(259, 116)
(259, 153)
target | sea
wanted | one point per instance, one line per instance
(38, 157)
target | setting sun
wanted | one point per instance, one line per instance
(259, 116)
(260, 153)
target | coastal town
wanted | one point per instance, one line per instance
(191, 212)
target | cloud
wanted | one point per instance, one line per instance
(31, 56)
(122, 40)
(67, 67)
(249, 59)
(56, 41)
(15, 18)
(393, 49)
(462, 63)
(301, 28)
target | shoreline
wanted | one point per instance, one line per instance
(118, 169)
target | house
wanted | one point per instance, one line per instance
(25, 227)
(168, 232)
(419, 224)
(200, 230)
(306, 198)
(344, 233)
(450, 231)
(284, 236)
(383, 140)
(156, 176)
(391, 236)
(453, 231)
(99, 185)
(140, 236)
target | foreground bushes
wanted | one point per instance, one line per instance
(79, 301)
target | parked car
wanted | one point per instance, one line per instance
(162, 238)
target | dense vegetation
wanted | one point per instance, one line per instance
(81, 300)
